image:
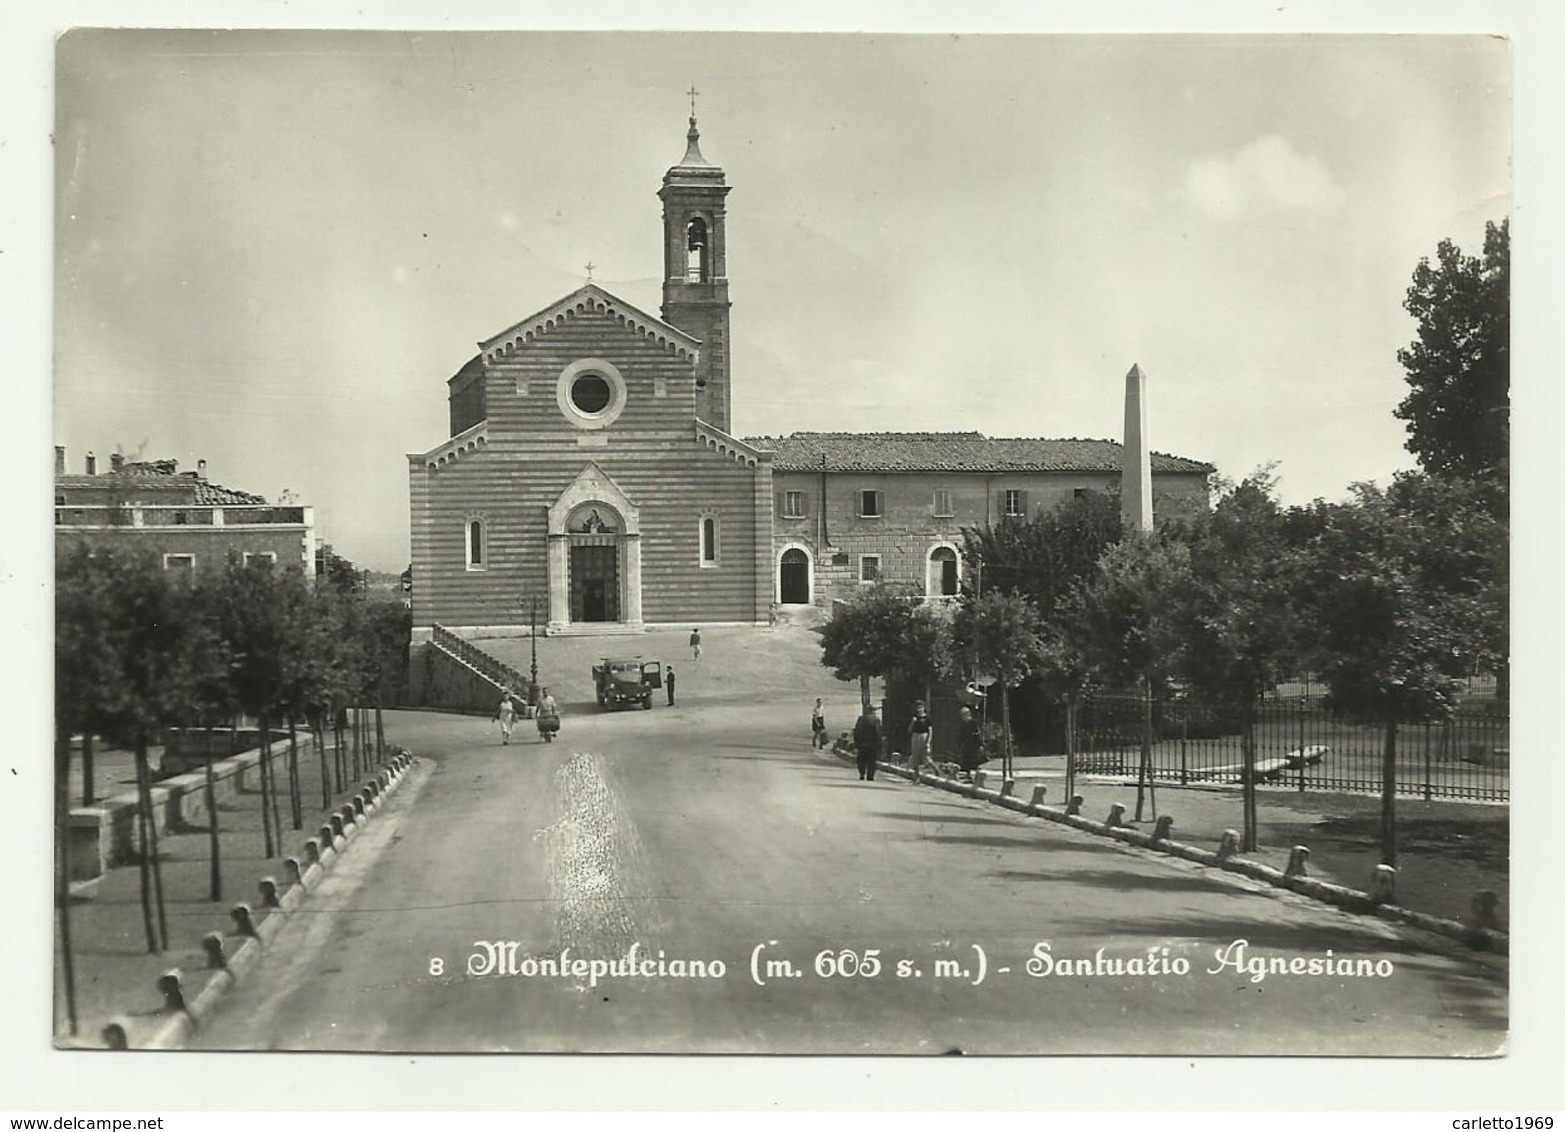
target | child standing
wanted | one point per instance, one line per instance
(818, 726)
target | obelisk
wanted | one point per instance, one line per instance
(1135, 496)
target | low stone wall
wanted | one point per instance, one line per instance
(104, 835)
(186, 748)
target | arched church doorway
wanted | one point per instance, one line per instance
(794, 580)
(597, 543)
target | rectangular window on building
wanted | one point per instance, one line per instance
(793, 505)
(942, 503)
(869, 504)
(183, 563)
(869, 568)
(1015, 503)
(269, 557)
(709, 536)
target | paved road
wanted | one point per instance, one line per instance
(702, 834)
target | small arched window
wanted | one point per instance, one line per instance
(697, 261)
(477, 550)
(709, 547)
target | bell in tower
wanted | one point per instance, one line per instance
(695, 272)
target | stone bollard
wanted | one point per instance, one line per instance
(326, 834)
(1008, 788)
(268, 887)
(979, 778)
(114, 1036)
(1486, 911)
(348, 816)
(1163, 829)
(244, 923)
(336, 826)
(1116, 816)
(1073, 807)
(1037, 795)
(1228, 844)
(172, 991)
(212, 944)
(358, 806)
(1298, 863)
(293, 870)
(1383, 885)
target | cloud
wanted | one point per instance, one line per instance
(1267, 174)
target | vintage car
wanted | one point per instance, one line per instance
(626, 680)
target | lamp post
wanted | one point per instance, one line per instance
(532, 635)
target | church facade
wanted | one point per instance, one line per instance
(591, 484)
(589, 477)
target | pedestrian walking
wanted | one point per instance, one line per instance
(970, 743)
(818, 726)
(695, 643)
(668, 683)
(918, 739)
(506, 714)
(866, 742)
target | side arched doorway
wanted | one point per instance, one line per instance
(944, 574)
(793, 578)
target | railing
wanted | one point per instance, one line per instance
(481, 662)
(1301, 745)
(135, 515)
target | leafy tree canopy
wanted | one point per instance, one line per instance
(1406, 593)
(1128, 620)
(884, 631)
(1458, 408)
(1043, 557)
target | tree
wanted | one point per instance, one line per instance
(254, 624)
(1129, 623)
(999, 635)
(1402, 592)
(884, 632)
(338, 572)
(1045, 556)
(1244, 631)
(1459, 366)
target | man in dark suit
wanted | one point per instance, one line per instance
(866, 742)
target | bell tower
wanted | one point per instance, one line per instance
(695, 269)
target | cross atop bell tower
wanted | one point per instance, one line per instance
(695, 267)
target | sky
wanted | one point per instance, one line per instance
(272, 248)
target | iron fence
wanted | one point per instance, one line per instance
(1300, 744)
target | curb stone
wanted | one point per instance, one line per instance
(172, 1032)
(1348, 899)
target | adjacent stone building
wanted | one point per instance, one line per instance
(590, 477)
(183, 520)
(853, 509)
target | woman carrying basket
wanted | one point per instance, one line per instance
(548, 716)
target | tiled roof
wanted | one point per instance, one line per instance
(952, 452)
(145, 486)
